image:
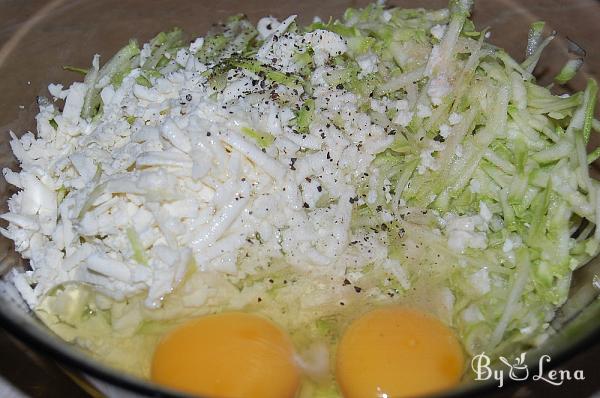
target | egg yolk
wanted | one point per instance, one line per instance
(228, 355)
(397, 352)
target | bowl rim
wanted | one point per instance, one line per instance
(74, 359)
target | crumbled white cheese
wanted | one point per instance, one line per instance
(386, 16)
(466, 232)
(403, 118)
(182, 56)
(480, 281)
(485, 212)
(423, 111)
(368, 63)
(74, 102)
(428, 162)
(472, 314)
(454, 118)
(458, 151)
(56, 90)
(438, 31)
(445, 130)
(511, 243)
(280, 53)
(460, 240)
(196, 45)
(325, 44)
(507, 246)
(266, 26)
(438, 89)
(475, 186)
(378, 106)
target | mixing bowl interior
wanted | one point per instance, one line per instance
(38, 37)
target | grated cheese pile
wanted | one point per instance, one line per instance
(167, 177)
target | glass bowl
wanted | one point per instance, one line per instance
(38, 37)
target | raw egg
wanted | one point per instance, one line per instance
(228, 355)
(397, 352)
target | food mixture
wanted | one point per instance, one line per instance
(390, 169)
